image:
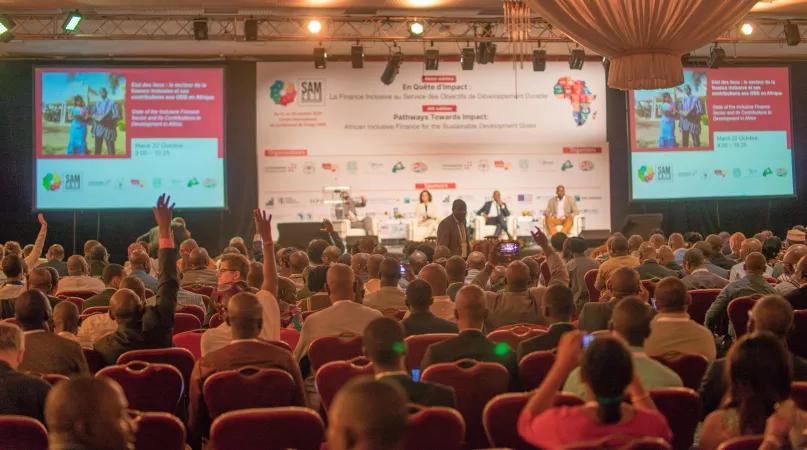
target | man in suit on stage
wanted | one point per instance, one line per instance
(348, 211)
(452, 231)
(560, 211)
(495, 212)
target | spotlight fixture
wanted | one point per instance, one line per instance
(792, 34)
(577, 58)
(357, 56)
(391, 71)
(747, 28)
(432, 59)
(486, 53)
(314, 26)
(251, 30)
(6, 24)
(200, 29)
(716, 58)
(467, 58)
(416, 29)
(71, 21)
(538, 60)
(320, 57)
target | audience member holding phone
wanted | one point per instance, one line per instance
(607, 370)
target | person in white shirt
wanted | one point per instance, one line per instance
(14, 284)
(389, 296)
(560, 211)
(373, 283)
(234, 268)
(77, 279)
(345, 315)
(426, 214)
(442, 306)
(96, 326)
(748, 246)
(476, 262)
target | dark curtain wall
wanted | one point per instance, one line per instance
(212, 229)
(748, 216)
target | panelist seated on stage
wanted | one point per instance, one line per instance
(560, 211)
(347, 210)
(495, 212)
(426, 214)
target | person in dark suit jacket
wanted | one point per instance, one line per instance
(698, 276)
(452, 231)
(348, 211)
(717, 257)
(771, 314)
(471, 312)
(56, 260)
(495, 212)
(45, 351)
(20, 394)
(381, 341)
(44, 279)
(146, 327)
(624, 282)
(421, 320)
(650, 267)
(558, 309)
(706, 249)
(113, 274)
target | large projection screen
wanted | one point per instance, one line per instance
(724, 133)
(116, 137)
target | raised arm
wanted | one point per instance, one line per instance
(556, 267)
(263, 226)
(333, 236)
(168, 283)
(39, 244)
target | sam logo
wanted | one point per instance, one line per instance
(312, 92)
(72, 182)
(664, 173)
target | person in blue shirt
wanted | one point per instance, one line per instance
(666, 137)
(79, 115)
(690, 111)
(105, 115)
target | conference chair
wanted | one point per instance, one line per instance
(291, 337)
(148, 387)
(185, 322)
(415, 232)
(83, 294)
(95, 310)
(248, 387)
(738, 314)
(690, 367)
(742, 443)
(593, 293)
(702, 299)
(798, 392)
(578, 225)
(434, 428)
(416, 347)
(94, 360)
(501, 413)
(51, 378)
(333, 375)
(797, 339)
(193, 310)
(533, 368)
(268, 429)
(158, 431)
(342, 227)
(650, 287)
(216, 320)
(180, 358)
(191, 341)
(334, 348)
(622, 443)
(682, 408)
(200, 289)
(12, 320)
(474, 383)
(531, 326)
(514, 336)
(22, 433)
(482, 230)
(78, 301)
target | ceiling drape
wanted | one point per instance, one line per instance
(643, 39)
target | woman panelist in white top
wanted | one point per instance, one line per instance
(426, 215)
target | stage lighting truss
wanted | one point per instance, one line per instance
(71, 21)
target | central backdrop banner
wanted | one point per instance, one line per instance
(456, 133)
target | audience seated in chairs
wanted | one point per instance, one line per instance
(78, 278)
(96, 326)
(698, 276)
(389, 295)
(420, 318)
(367, 415)
(558, 308)
(624, 282)
(140, 265)
(373, 284)
(608, 375)
(65, 321)
(198, 269)
(619, 257)
(112, 276)
(319, 298)
(55, 260)
(46, 280)
(456, 270)
(21, 394)
(14, 284)
(650, 268)
(577, 267)
(441, 305)
(798, 297)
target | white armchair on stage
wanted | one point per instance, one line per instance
(342, 227)
(417, 233)
(482, 231)
(578, 225)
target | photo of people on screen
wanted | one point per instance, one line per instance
(78, 104)
(673, 118)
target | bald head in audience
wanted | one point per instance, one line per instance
(792, 257)
(631, 320)
(647, 251)
(245, 315)
(341, 283)
(535, 268)
(418, 261)
(298, 262)
(657, 240)
(126, 307)
(135, 285)
(89, 413)
(755, 263)
(456, 269)
(185, 249)
(634, 242)
(671, 295)
(476, 261)
(624, 282)
(374, 265)
(12, 344)
(518, 277)
(676, 241)
(255, 275)
(750, 246)
(32, 310)
(198, 258)
(437, 277)
(619, 246)
(715, 242)
(471, 309)
(441, 252)
(558, 304)
(665, 255)
(77, 266)
(139, 260)
(359, 262)
(65, 318)
(55, 252)
(367, 415)
(331, 255)
(771, 314)
(88, 246)
(286, 292)
(42, 280)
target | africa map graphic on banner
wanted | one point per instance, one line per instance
(580, 97)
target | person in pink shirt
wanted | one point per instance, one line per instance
(607, 370)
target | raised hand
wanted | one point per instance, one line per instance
(327, 226)
(541, 239)
(263, 226)
(163, 213)
(41, 219)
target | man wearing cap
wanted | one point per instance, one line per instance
(795, 236)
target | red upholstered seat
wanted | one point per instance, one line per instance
(281, 344)
(78, 301)
(546, 274)
(148, 293)
(416, 347)
(650, 287)
(180, 358)
(333, 375)
(80, 294)
(500, 418)
(797, 340)
(738, 314)
(798, 392)
(22, 433)
(514, 336)
(434, 428)
(148, 387)
(593, 293)
(533, 368)
(400, 314)
(772, 281)
(159, 431)
(702, 299)
(200, 289)
(690, 367)
(94, 360)
(193, 310)
(742, 443)
(95, 310)
(682, 408)
(305, 314)
(474, 383)
(268, 429)
(531, 326)
(247, 387)
(51, 378)
(333, 348)
(185, 322)
(11, 320)
(291, 337)
(622, 443)
(191, 341)
(216, 320)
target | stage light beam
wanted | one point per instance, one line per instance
(747, 28)
(314, 26)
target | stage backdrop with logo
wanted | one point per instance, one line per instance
(459, 134)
